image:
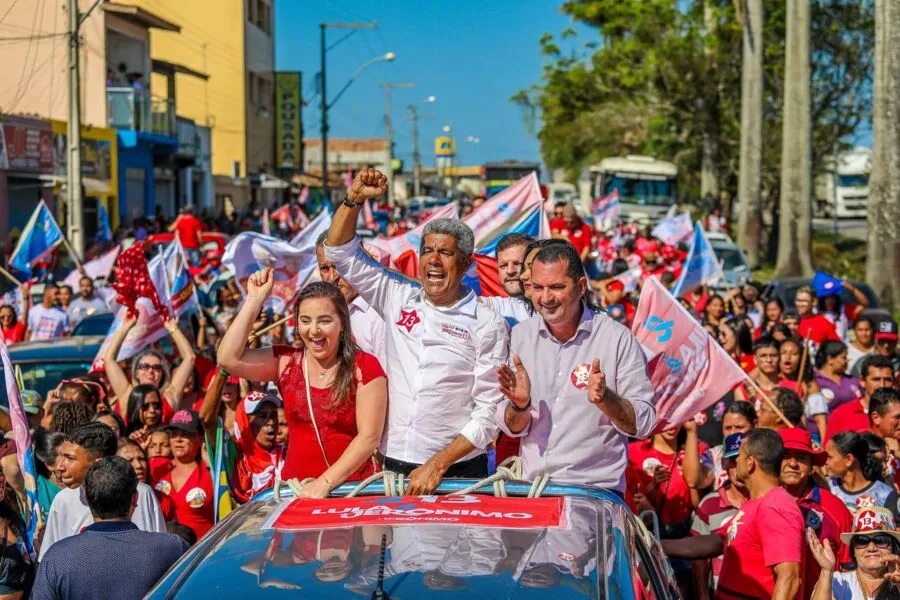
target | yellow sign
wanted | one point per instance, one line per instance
(444, 146)
(288, 116)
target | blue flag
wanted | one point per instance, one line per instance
(104, 231)
(826, 285)
(39, 238)
(701, 266)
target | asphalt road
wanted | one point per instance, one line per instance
(855, 228)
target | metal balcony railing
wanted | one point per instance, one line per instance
(130, 109)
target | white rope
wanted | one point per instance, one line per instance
(295, 485)
(394, 484)
(514, 464)
(538, 485)
(498, 480)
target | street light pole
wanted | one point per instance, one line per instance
(324, 105)
(389, 135)
(414, 116)
(75, 200)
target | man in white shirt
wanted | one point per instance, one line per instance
(443, 346)
(511, 250)
(47, 320)
(87, 303)
(579, 387)
(70, 513)
(366, 324)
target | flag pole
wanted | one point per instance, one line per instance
(800, 385)
(9, 276)
(269, 328)
(74, 256)
(768, 401)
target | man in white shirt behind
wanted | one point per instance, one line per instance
(70, 513)
(578, 387)
(47, 320)
(443, 346)
(366, 325)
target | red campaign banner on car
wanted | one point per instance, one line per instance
(480, 511)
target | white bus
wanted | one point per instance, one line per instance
(844, 192)
(647, 186)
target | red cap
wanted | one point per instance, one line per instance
(616, 285)
(799, 440)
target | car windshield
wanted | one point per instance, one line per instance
(98, 324)
(730, 258)
(460, 546)
(45, 376)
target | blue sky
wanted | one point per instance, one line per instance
(471, 55)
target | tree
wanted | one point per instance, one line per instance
(795, 228)
(749, 176)
(668, 74)
(883, 264)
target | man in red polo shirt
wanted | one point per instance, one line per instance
(766, 537)
(823, 512)
(572, 228)
(877, 372)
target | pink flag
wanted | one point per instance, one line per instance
(688, 369)
(101, 266)
(517, 208)
(283, 215)
(405, 243)
(368, 216)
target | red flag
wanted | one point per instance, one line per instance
(133, 281)
(408, 264)
(486, 269)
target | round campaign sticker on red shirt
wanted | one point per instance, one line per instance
(650, 465)
(163, 486)
(580, 375)
(196, 497)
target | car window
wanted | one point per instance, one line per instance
(94, 325)
(45, 376)
(731, 258)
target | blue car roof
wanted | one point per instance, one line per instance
(61, 349)
(268, 547)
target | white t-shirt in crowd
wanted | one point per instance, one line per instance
(70, 514)
(47, 323)
(845, 586)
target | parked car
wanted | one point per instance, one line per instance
(217, 237)
(44, 364)
(786, 288)
(574, 541)
(734, 263)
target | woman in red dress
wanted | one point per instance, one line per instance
(334, 394)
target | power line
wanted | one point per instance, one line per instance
(8, 10)
(20, 89)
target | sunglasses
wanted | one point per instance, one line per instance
(880, 540)
(147, 405)
(148, 367)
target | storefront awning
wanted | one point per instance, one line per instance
(92, 186)
(140, 16)
(265, 181)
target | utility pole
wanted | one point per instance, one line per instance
(389, 134)
(417, 155)
(324, 104)
(75, 199)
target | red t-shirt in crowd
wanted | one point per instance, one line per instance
(643, 459)
(580, 235)
(820, 521)
(847, 417)
(337, 426)
(766, 531)
(818, 329)
(747, 362)
(15, 334)
(188, 228)
(194, 501)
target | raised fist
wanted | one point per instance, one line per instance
(368, 184)
(260, 283)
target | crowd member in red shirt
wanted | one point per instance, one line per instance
(189, 231)
(13, 328)
(877, 372)
(571, 227)
(614, 295)
(715, 512)
(185, 478)
(823, 512)
(814, 326)
(737, 340)
(765, 538)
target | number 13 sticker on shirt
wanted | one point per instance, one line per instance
(580, 376)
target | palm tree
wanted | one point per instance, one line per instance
(795, 226)
(749, 175)
(884, 186)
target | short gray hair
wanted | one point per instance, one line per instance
(462, 233)
(320, 241)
